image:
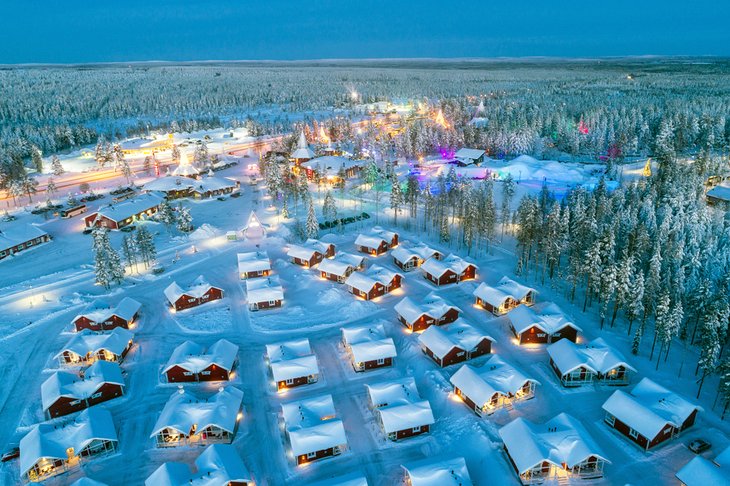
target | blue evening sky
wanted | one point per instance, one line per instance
(69, 31)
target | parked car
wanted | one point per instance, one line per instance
(10, 454)
(236, 194)
(221, 198)
(698, 446)
(88, 231)
(158, 269)
(128, 229)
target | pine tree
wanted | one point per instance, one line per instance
(130, 252)
(107, 264)
(329, 208)
(183, 219)
(50, 188)
(636, 342)
(28, 185)
(635, 298)
(126, 170)
(146, 246)
(166, 215)
(312, 226)
(508, 192)
(723, 389)
(396, 198)
(118, 156)
(37, 159)
(56, 166)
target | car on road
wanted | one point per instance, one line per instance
(698, 446)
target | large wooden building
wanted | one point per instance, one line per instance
(332, 168)
(50, 449)
(65, 392)
(313, 429)
(189, 420)
(99, 316)
(561, 447)
(448, 270)
(649, 414)
(547, 325)
(594, 362)
(432, 311)
(117, 216)
(454, 343)
(17, 237)
(292, 363)
(217, 465)
(86, 346)
(399, 408)
(201, 188)
(493, 386)
(189, 362)
(504, 296)
(373, 282)
(254, 264)
(368, 347)
(199, 292)
(264, 293)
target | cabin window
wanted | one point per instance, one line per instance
(205, 373)
(633, 434)
(272, 302)
(96, 395)
(415, 430)
(75, 402)
(611, 420)
(187, 373)
(2, 253)
(381, 361)
(191, 300)
(311, 455)
(290, 381)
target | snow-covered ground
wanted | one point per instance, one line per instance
(42, 289)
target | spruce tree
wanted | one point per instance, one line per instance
(311, 228)
(56, 166)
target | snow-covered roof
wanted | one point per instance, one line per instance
(301, 252)
(721, 191)
(212, 183)
(596, 356)
(218, 465)
(292, 359)
(420, 251)
(369, 343)
(365, 281)
(447, 472)
(67, 384)
(190, 356)
(100, 312)
(387, 235)
(550, 319)
(459, 334)
(264, 289)
(452, 262)
(468, 153)
(253, 261)
(561, 440)
(86, 341)
(302, 151)
(169, 183)
(53, 440)
(312, 425)
(183, 410)
(330, 165)
(130, 207)
(433, 306)
(87, 482)
(370, 241)
(505, 289)
(399, 405)
(184, 168)
(701, 472)
(649, 407)
(197, 289)
(16, 233)
(496, 376)
(341, 263)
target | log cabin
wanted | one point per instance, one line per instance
(264, 293)
(400, 410)
(454, 343)
(86, 346)
(217, 465)
(292, 363)
(450, 269)
(504, 296)
(368, 347)
(430, 472)
(547, 325)
(64, 392)
(99, 316)
(409, 258)
(313, 429)
(198, 293)
(190, 363)
(377, 242)
(595, 362)
(432, 311)
(374, 282)
(17, 237)
(117, 216)
(254, 264)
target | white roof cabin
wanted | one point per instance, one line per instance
(459, 334)
(342, 264)
(420, 252)
(399, 405)
(447, 472)
(596, 356)
(99, 311)
(495, 377)
(433, 306)
(131, 207)
(365, 281)
(562, 440)
(302, 152)
(87, 342)
(452, 262)
(191, 356)
(506, 289)
(197, 289)
(184, 410)
(302, 252)
(469, 155)
(649, 407)
(312, 425)
(217, 465)
(12, 235)
(292, 359)
(330, 165)
(66, 384)
(702, 472)
(550, 319)
(253, 261)
(368, 343)
(721, 192)
(370, 241)
(264, 290)
(53, 441)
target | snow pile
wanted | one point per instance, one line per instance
(212, 321)
(204, 232)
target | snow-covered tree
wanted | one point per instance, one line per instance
(130, 252)
(166, 215)
(312, 225)
(107, 264)
(396, 198)
(329, 208)
(145, 246)
(37, 159)
(183, 219)
(56, 166)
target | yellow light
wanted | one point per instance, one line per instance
(239, 416)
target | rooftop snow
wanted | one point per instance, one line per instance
(218, 465)
(330, 165)
(506, 288)
(12, 235)
(399, 405)
(439, 267)
(365, 281)
(433, 306)
(561, 440)
(66, 384)
(649, 407)
(312, 425)
(721, 191)
(468, 153)
(496, 376)
(370, 241)
(550, 319)
(701, 472)
(190, 356)
(460, 334)
(420, 251)
(254, 261)
(184, 410)
(596, 356)
(100, 312)
(448, 472)
(197, 289)
(52, 440)
(130, 207)
(264, 289)
(88, 342)
(288, 350)
(341, 263)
